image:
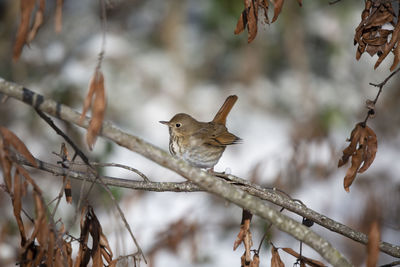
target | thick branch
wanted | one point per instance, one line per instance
(199, 177)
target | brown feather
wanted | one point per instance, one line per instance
(223, 112)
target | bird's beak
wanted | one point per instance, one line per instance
(164, 122)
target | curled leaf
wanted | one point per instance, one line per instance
(372, 36)
(249, 16)
(362, 150)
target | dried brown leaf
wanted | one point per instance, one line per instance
(58, 16)
(256, 261)
(276, 259)
(242, 22)
(356, 160)
(349, 151)
(252, 22)
(68, 252)
(277, 9)
(41, 228)
(58, 259)
(17, 206)
(370, 149)
(106, 248)
(5, 166)
(28, 178)
(243, 262)
(83, 257)
(88, 100)
(264, 4)
(10, 138)
(365, 13)
(96, 257)
(311, 262)
(95, 230)
(374, 237)
(37, 22)
(113, 263)
(375, 41)
(96, 91)
(245, 235)
(390, 45)
(50, 250)
(362, 149)
(370, 34)
(23, 28)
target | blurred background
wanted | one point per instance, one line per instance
(300, 91)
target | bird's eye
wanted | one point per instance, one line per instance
(178, 125)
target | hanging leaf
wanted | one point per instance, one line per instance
(37, 22)
(276, 259)
(277, 9)
(23, 28)
(58, 16)
(96, 94)
(362, 150)
(9, 138)
(244, 235)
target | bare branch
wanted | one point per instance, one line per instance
(144, 177)
(371, 111)
(203, 179)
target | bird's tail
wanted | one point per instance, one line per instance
(223, 112)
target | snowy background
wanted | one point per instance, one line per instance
(300, 91)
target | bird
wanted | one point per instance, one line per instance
(201, 144)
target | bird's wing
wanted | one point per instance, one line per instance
(216, 135)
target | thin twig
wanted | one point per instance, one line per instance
(100, 164)
(104, 32)
(380, 85)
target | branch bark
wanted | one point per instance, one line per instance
(203, 179)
